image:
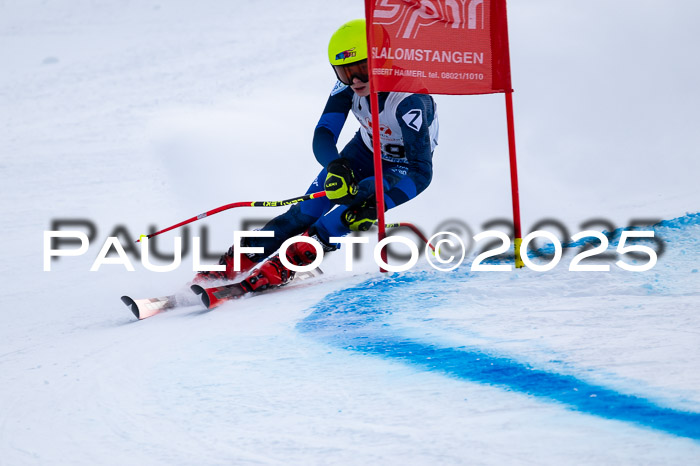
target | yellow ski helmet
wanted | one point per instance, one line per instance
(348, 44)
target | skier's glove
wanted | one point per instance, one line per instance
(362, 215)
(341, 184)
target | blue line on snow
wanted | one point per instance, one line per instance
(660, 229)
(354, 319)
(479, 367)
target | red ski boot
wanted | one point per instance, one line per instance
(273, 273)
(229, 274)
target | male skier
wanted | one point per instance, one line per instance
(409, 131)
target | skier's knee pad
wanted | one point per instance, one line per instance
(302, 253)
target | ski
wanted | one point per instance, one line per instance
(214, 296)
(211, 297)
(148, 307)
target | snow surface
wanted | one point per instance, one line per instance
(141, 114)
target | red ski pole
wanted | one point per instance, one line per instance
(209, 213)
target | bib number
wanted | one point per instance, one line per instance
(393, 151)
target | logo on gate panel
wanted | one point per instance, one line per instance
(462, 14)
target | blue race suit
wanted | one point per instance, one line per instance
(409, 130)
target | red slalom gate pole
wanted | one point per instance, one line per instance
(378, 173)
(517, 232)
(376, 142)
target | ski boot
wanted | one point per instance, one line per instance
(229, 274)
(272, 273)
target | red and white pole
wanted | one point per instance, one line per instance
(376, 135)
(517, 231)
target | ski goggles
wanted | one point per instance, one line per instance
(346, 73)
